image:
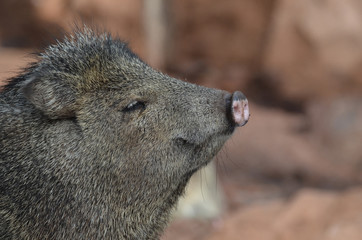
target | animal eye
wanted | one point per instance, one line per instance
(135, 105)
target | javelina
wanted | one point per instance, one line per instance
(95, 144)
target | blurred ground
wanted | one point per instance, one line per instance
(295, 170)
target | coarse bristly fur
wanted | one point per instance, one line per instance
(95, 144)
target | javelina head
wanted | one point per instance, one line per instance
(140, 134)
(130, 113)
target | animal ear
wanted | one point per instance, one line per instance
(54, 99)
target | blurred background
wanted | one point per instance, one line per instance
(295, 170)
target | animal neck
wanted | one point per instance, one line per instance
(133, 206)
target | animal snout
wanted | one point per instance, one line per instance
(237, 108)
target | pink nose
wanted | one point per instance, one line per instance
(239, 109)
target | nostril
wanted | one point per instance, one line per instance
(239, 109)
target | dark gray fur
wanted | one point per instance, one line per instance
(76, 163)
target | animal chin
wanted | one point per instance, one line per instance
(208, 149)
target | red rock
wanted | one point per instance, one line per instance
(275, 145)
(337, 129)
(12, 60)
(315, 48)
(311, 214)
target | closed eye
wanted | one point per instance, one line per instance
(135, 105)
